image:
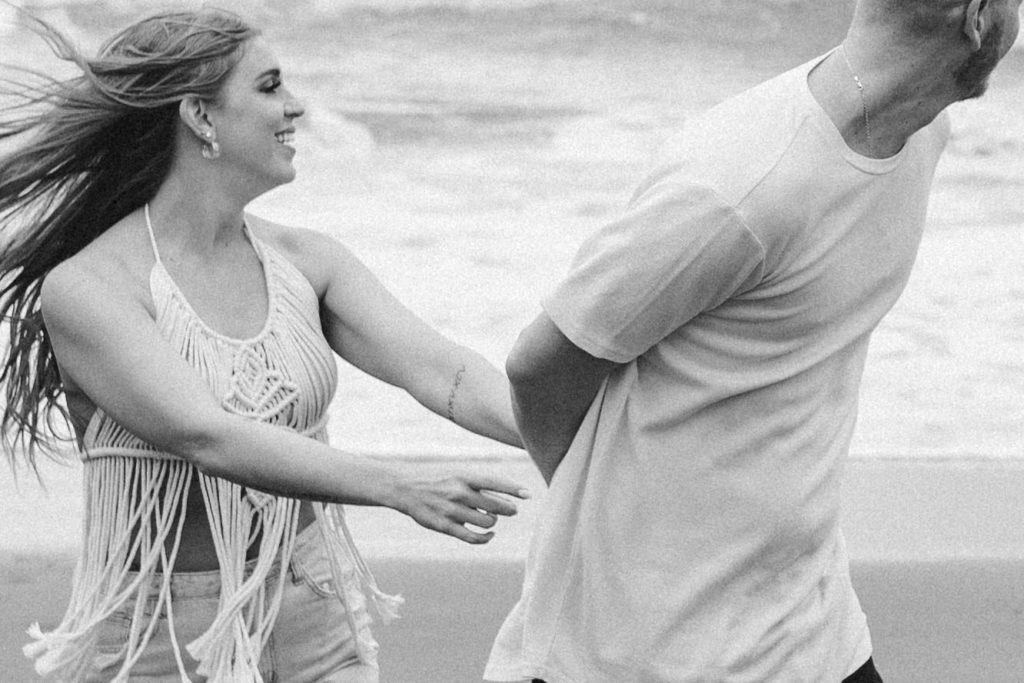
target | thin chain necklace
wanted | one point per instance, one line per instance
(863, 100)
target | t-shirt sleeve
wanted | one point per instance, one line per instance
(678, 251)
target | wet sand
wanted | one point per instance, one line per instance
(938, 562)
(958, 621)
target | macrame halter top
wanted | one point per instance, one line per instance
(135, 494)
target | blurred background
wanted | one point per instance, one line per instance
(463, 149)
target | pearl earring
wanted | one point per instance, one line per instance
(211, 150)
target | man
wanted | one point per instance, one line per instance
(690, 389)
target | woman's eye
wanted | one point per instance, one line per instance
(271, 87)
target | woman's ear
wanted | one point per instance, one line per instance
(192, 111)
(975, 24)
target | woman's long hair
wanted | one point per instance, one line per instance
(88, 151)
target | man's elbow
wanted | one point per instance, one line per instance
(522, 366)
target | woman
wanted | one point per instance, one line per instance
(193, 346)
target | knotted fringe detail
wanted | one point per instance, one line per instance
(230, 649)
(342, 553)
(135, 495)
(132, 505)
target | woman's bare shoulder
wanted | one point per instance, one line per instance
(290, 238)
(315, 254)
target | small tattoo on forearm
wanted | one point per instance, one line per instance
(455, 388)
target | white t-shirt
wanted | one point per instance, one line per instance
(692, 531)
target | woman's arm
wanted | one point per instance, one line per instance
(108, 345)
(371, 329)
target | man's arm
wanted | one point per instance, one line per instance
(553, 384)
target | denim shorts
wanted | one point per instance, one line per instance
(311, 639)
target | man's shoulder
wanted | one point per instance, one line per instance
(731, 147)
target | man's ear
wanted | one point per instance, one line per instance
(975, 22)
(192, 111)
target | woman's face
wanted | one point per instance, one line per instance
(253, 120)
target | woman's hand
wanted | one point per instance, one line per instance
(448, 505)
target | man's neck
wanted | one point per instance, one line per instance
(878, 96)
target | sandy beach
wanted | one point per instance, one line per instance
(938, 561)
(957, 621)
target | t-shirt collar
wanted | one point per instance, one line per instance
(831, 132)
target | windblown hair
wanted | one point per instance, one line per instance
(87, 151)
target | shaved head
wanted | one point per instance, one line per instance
(981, 31)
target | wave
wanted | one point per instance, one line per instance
(724, 19)
(738, 20)
(461, 121)
(582, 8)
(570, 22)
(333, 7)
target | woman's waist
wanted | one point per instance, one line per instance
(197, 550)
(203, 579)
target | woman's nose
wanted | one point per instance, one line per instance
(294, 108)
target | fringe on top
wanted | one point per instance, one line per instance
(136, 495)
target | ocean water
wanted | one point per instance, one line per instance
(464, 148)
